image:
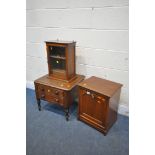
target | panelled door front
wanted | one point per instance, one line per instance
(92, 106)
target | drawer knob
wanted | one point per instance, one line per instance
(48, 90)
(56, 92)
(56, 100)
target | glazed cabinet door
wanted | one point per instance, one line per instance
(92, 106)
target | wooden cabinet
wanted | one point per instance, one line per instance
(56, 91)
(61, 59)
(60, 85)
(98, 102)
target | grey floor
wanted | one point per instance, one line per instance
(48, 133)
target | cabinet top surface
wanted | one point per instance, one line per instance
(45, 80)
(101, 86)
(60, 42)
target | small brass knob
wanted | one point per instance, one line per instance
(56, 100)
(48, 90)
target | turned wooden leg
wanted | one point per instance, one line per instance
(67, 114)
(39, 104)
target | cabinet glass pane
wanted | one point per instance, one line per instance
(57, 51)
(58, 64)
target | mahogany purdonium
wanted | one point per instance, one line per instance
(98, 103)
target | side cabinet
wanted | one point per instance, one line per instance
(57, 92)
(98, 103)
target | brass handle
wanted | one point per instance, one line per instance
(88, 93)
(101, 98)
(92, 95)
(48, 90)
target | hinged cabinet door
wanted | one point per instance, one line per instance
(56, 55)
(92, 106)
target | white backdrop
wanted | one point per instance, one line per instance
(100, 28)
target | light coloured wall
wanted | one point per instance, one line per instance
(100, 28)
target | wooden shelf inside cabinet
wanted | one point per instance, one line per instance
(58, 57)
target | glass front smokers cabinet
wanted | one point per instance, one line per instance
(61, 60)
